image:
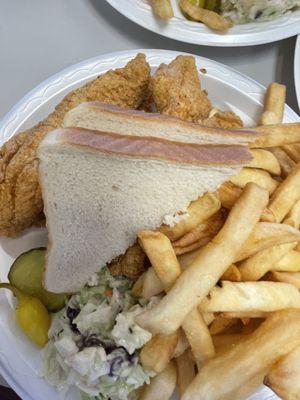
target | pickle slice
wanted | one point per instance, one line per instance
(26, 274)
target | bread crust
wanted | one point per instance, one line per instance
(246, 135)
(150, 147)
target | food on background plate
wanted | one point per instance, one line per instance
(212, 19)
(95, 341)
(162, 8)
(243, 11)
(221, 15)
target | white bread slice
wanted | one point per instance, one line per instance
(110, 118)
(100, 189)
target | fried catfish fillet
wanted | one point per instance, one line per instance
(131, 264)
(224, 120)
(177, 91)
(21, 203)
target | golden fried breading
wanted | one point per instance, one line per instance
(177, 91)
(20, 197)
(224, 120)
(131, 264)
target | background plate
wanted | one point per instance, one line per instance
(297, 69)
(140, 12)
(19, 360)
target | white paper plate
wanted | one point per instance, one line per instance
(19, 359)
(140, 12)
(297, 69)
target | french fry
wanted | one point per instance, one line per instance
(205, 271)
(157, 353)
(248, 388)
(209, 18)
(251, 297)
(161, 255)
(224, 342)
(293, 217)
(220, 325)
(283, 377)
(265, 247)
(194, 246)
(275, 338)
(261, 178)
(293, 151)
(288, 277)
(252, 326)
(241, 315)
(229, 194)
(232, 274)
(286, 163)
(198, 336)
(245, 321)
(276, 135)
(289, 263)
(185, 260)
(263, 261)
(182, 344)
(162, 8)
(198, 211)
(206, 229)
(137, 288)
(208, 318)
(162, 385)
(264, 159)
(286, 195)
(274, 104)
(255, 267)
(266, 235)
(152, 285)
(185, 370)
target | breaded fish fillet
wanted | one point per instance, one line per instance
(224, 120)
(131, 264)
(21, 203)
(177, 91)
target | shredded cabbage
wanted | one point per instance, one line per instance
(94, 342)
(242, 11)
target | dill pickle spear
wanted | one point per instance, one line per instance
(26, 274)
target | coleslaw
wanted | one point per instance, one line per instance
(243, 11)
(94, 341)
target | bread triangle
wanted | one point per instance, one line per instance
(100, 189)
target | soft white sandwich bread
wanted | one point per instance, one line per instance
(100, 189)
(110, 118)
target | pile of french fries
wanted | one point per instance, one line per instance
(230, 317)
(194, 10)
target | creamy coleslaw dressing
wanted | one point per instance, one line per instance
(94, 342)
(243, 11)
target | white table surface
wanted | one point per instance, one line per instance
(40, 37)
